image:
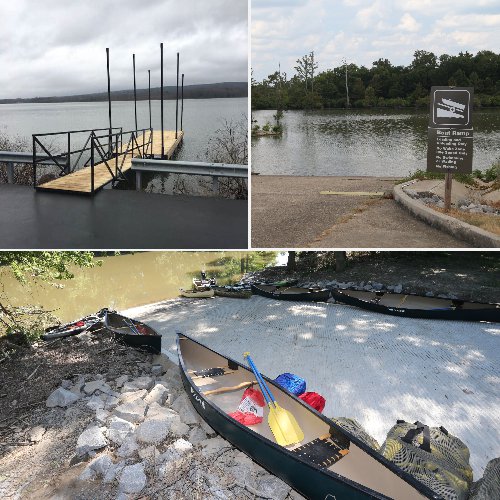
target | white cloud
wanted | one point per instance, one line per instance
(409, 23)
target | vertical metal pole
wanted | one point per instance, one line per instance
(92, 163)
(34, 162)
(149, 96)
(447, 190)
(182, 99)
(68, 159)
(177, 97)
(109, 101)
(161, 99)
(135, 93)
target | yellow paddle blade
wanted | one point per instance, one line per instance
(283, 425)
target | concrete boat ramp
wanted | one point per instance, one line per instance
(371, 367)
(119, 219)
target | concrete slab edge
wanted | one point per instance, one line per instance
(472, 234)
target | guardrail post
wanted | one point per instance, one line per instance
(138, 180)
(10, 172)
(215, 184)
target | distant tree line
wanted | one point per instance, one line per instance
(200, 91)
(382, 85)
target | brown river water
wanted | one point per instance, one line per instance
(123, 281)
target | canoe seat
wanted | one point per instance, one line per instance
(211, 372)
(322, 452)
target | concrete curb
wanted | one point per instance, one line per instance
(474, 235)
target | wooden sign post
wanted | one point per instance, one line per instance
(450, 134)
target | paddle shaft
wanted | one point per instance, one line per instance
(262, 382)
(131, 325)
(221, 390)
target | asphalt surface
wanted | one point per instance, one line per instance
(290, 212)
(115, 219)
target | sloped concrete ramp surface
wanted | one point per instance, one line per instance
(372, 367)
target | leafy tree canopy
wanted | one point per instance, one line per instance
(45, 265)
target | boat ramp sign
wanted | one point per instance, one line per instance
(450, 131)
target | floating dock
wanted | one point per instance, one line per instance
(80, 181)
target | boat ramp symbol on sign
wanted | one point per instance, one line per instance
(451, 107)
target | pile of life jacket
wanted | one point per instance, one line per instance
(251, 408)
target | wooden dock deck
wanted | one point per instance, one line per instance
(80, 181)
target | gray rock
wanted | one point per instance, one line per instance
(182, 446)
(207, 429)
(462, 202)
(36, 434)
(61, 397)
(101, 464)
(132, 478)
(128, 448)
(398, 288)
(155, 410)
(110, 402)
(113, 472)
(87, 475)
(377, 286)
(181, 402)
(429, 294)
(158, 394)
(149, 453)
(179, 428)
(90, 439)
(214, 445)
(153, 430)
(119, 429)
(121, 380)
(189, 416)
(269, 486)
(101, 415)
(77, 387)
(132, 411)
(66, 384)
(197, 435)
(157, 370)
(95, 403)
(367, 288)
(128, 396)
(90, 387)
(143, 383)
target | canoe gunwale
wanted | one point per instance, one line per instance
(361, 489)
(453, 314)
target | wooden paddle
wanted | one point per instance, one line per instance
(283, 425)
(221, 390)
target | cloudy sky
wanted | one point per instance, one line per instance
(364, 31)
(58, 47)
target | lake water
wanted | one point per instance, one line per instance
(202, 118)
(365, 142)
(123, 281)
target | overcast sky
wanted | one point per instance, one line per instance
(364, 31)
(58, 47)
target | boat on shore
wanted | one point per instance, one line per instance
(202, 293)
(418, 306)
(132, 332)
(235, 292)
(292, 293)
(329, 463)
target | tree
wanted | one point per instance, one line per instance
(43, 266)
(290, 263)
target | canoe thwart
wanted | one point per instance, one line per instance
(323, 451)
(221, 390)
